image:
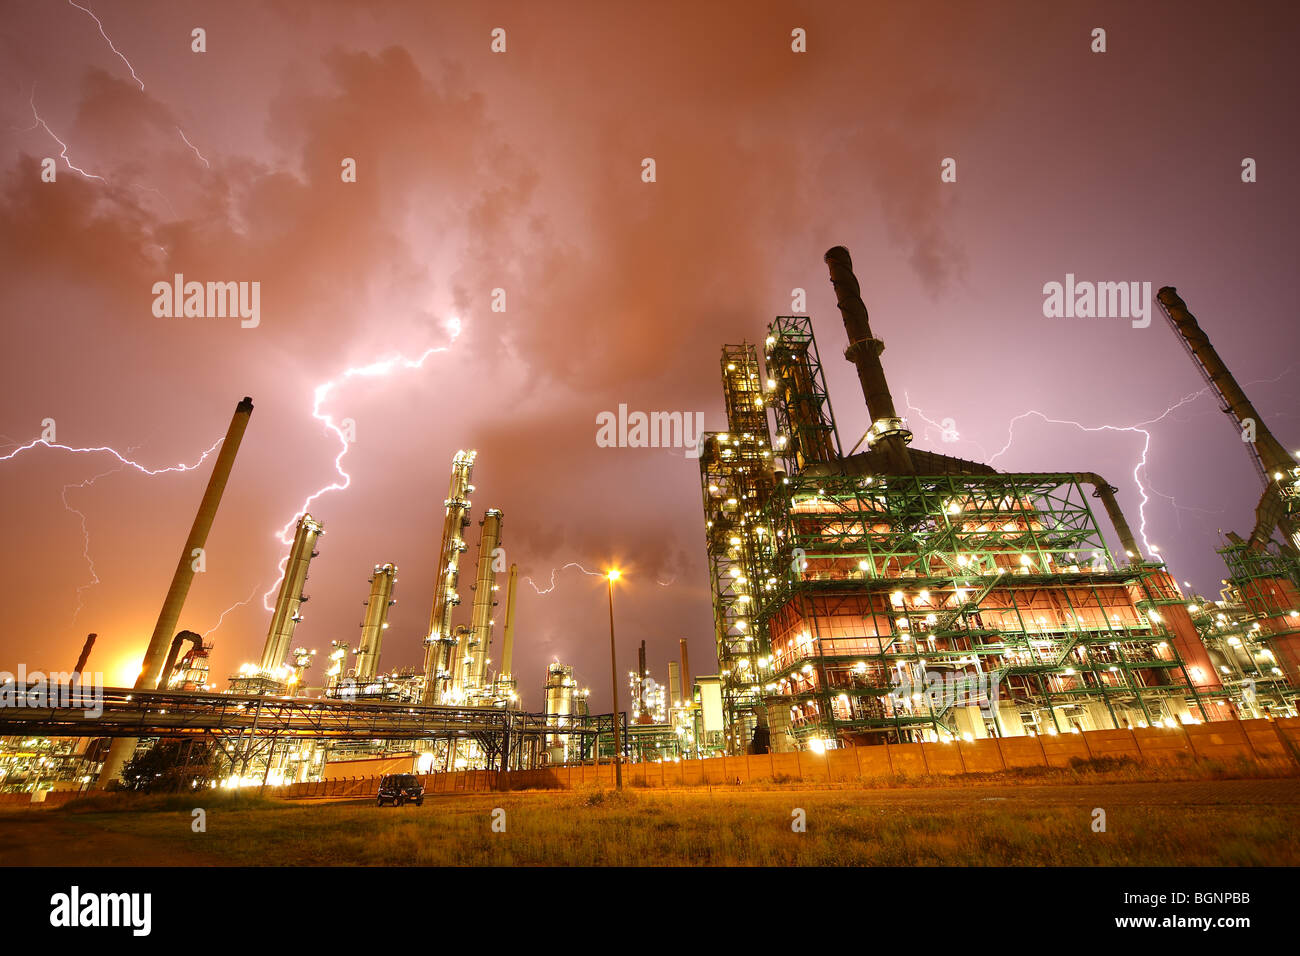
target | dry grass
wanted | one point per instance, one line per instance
(1227, 823)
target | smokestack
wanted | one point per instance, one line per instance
(182, 578)
(382, 582)
(508, 641)
(440, 642)
(687, 687)
(1277, 467)
(887, 429)
(640, 685)
(85, 653)
(288, 602)
(485, 588)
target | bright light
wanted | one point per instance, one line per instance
(614, 574)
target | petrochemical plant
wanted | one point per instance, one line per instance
(847, 588)
(886, 594)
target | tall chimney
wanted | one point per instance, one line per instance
(182, 578)
(687, 687)
(382, 582)
(508, 641)
(887, 429)
(485, 598)
(287, 603)
(85, 653)
(1277, 467)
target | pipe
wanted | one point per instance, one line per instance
(440, 641)
(382, 582)
(485, 588)
(182, 578)
(85, 653)
(279, 637)
(1106, 492)
(508, 641)
(181, 638)
(887, 429)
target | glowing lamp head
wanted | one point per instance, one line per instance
(614, 574)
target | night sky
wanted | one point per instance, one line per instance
(522, 171)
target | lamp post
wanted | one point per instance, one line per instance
(610, 578)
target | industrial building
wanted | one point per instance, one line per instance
(894, 594)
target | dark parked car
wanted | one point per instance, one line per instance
(398, 788)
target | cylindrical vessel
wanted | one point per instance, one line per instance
(382, 582)
(440, 642)
(287, 603)
(480, 640)
(508, 640)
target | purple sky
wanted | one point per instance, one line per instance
(522, 170)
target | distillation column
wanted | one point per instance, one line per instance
(440, 643)
(382, 582)
(508, 638)
(485, 587)
(182, 578)
(290, 599)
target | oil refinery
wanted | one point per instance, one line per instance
(886, 594)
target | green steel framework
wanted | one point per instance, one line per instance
(801, 405)
(736, 476)
(978, 546)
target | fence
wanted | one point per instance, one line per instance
(1265, 742)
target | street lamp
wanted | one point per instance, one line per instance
(610, 578)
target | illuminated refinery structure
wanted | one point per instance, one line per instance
(441, 641)
(382, 582)
(883, 594)
(289, 601)
(897, 594)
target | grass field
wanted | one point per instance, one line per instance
(1168, 822)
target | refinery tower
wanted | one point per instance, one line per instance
(895, 594)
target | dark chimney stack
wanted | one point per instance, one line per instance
(888, 431)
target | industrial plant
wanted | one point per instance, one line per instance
(883, 595)
(891, 594)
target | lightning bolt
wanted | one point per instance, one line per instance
(85, 536)
(377, 369)
(124, 462)
(571, 564)
(127, 462)
(1139, 469)
(201, 157)
(595, 574)
(251, 594)
(63, 154)
(88, 13)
